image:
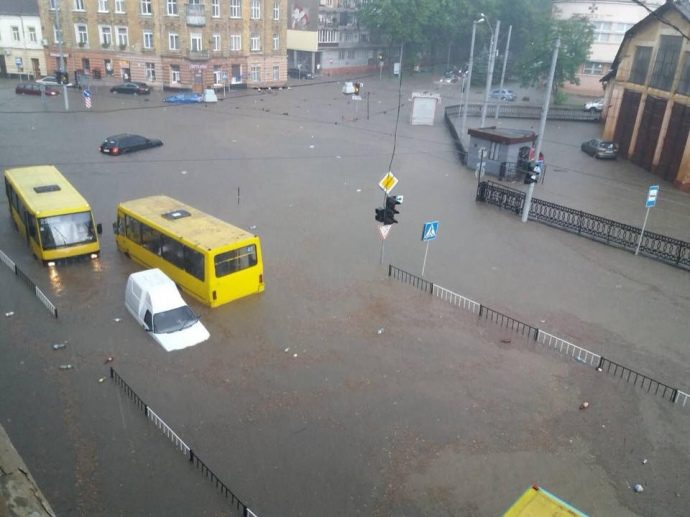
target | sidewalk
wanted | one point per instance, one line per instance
(19, 494)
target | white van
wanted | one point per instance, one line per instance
(154, 301)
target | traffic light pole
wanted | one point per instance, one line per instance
(542, 128)
(385, 198)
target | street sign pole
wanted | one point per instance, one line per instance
(425, 254)
(644, 225)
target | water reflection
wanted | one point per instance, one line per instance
(56, 282)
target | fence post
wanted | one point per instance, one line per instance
(191, 455)
(601, 362)
(481, 307)
(674, 397)
(579, 224)
(390, 269)
(431, 288)
(680, 254)
(112, 373)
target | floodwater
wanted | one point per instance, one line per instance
(298, 402)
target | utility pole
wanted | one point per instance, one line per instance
(60, 36)
(542, 128)
(503, 72)
(468, 82)
(490, 70)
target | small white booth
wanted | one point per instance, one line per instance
(424, 108)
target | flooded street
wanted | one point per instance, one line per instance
(299, 402)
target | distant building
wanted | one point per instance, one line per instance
(325, 37)
(648, 95)
(21, 40)
(611, 19)
(170, 43)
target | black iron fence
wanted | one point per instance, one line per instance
(181, 445)
(638, 379)
(29, 283)
(552, 342)
(510, 110)
(654, 245)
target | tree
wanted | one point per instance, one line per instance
(577, 35)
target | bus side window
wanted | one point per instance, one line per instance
(32, 227)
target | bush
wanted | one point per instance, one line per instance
(560, 97)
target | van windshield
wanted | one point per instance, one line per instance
(174, 320)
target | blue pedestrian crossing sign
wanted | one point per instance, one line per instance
(430, 231)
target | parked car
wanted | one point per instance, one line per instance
(600, 148)
(154, 301)
(503, 94)
(133, 88)
(50, 80)
(595, 105)
(184, 98)
(296, 73)
(127, 143)
(35, 89)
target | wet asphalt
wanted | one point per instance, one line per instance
(298, 402)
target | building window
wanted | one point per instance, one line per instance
(235, 42)
(195, 42)
(106, 35)
(171, 7)
(53, 4)
(173, 41)
(122, 37)
(341, 55)
(15, 33)
(254, 42)
(79, 5)
(82, 35)
(216, 45)
(146, 7)
(148, 39)
(351, 53)
(175, 74)
(666, 62)
(235, 9)
(217, 75)
(276, 42)
(32, 35)
(215, 8)
(119, 6)
(640, 65)
(255, 73)
(276, 72)
(610, 32)
(256, 10)
(276, 10)
(57, 35)
(593, 68)
(150, 71)
(102, 6)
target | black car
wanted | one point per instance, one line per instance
(600, 148)
(133, 88)
(127, 143)
(296, 73)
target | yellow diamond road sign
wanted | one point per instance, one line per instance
(388, 182)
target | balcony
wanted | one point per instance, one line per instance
(197, 55)
(195, 15)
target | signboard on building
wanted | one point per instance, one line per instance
(303, 15)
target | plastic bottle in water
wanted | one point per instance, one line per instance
(65, 367)
(58, 346)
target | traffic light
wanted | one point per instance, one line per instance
(386, 215)
(356, 85)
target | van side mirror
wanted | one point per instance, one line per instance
(99, 228)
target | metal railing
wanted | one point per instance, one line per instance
(580, 354)
(654, 245)
(409, 278)
(181, 445)
(30, 283)
(638, 379)
(509, 110)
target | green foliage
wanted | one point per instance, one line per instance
(560, 97)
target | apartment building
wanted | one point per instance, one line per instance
(610, 19)
(325, 37)
(21, 48)
(168, 43)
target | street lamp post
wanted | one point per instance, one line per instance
(490, 66)
(503, 72)
(468, 83)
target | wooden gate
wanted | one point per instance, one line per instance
(626, 120)
(674, 143)
(648, 132)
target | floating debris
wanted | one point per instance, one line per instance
(109, 359)
(584, 405)
(638, 488)
(117, 320)
(58, 346)
(506, 340)
(9, 314)
(380, 331)
(102, 379)
(65, 367)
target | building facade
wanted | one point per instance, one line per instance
(21, 40)
(168, 43)
(610, 19)
(648, 102)
(335, 43)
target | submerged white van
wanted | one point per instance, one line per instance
(154, 301)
